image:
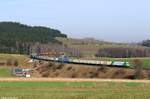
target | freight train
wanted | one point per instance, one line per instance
(66, 59)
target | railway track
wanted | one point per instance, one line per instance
(86, 64)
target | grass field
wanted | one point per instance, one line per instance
(22, 59)
(74, 90)
(5, 72)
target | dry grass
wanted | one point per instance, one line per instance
(82, 71)
(22, 59)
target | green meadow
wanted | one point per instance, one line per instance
(74, 90)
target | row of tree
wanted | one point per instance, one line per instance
(145, 43)
(123, 52)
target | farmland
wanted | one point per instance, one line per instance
(89, 47)
(74, 90)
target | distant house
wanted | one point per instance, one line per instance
(19, 72)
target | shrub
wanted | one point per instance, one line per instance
(138, 68)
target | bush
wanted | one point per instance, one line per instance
(146, 43)
(138, 68)
(16, 63)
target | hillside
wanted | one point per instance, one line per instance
(95, 48)
(16, 37)
(88, 47)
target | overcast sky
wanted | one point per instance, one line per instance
(113, 20)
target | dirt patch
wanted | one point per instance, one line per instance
(58, 70)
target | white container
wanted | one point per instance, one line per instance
(28, 75)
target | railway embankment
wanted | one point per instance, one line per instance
(58, 70)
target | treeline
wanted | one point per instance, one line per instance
(123, 52)
(55, 49)
(17, 38)
(145, 43)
